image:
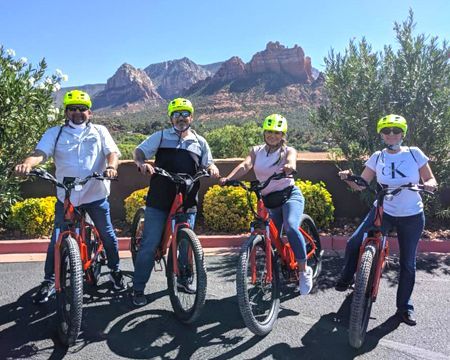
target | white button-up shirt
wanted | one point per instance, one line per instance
(79, 153)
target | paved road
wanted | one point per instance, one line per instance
(312, 327)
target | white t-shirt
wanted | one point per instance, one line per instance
(79, 153)
(398, 169)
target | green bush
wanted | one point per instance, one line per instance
(225, 209)
(26, 111)
(318, 202)
(33, 216)
(133, 202)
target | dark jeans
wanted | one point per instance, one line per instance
(409, 231)
(287, 217)
(100, 215)
(154, 222)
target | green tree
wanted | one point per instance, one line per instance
(26, 111)
(411, 79)
(233, 141)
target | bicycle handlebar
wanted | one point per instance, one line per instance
(43, 174)
(360, 181)
(182, 178)
(256, 185)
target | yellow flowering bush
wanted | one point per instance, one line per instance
(318, 202)
(133, 202)
(225, 209)
(33, 216)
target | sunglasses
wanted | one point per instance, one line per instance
(177, 114)
(81, 108)
(387, 131)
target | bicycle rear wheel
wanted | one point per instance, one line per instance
(70, 298)
(259, 301)
(187, 291)
(362, 300)
(137, 231)
(315, 259)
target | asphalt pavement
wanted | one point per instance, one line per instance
(308, 327)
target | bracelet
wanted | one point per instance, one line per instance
(110, 167)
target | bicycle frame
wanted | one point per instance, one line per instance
(75, 222)
(377, 238)
(271, 235)
(175, 221)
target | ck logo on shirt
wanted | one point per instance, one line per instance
(392, 170)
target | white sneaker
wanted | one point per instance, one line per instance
(305, 282)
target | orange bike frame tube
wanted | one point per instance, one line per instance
(58, 256)
(310, 241)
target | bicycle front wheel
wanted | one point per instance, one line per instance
(187, 290)
(70, 298)
(259, 300)
(362, 299)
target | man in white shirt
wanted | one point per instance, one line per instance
(79, 148)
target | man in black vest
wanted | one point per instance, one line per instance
(177, 149)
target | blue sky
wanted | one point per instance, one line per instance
(89, 40)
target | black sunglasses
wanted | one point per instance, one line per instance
(81, 108)
(177, 114)
(395, 130)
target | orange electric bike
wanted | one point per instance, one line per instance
(265, 259)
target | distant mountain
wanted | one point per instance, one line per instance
(173, 77)
(212, 68)
(276, 76)
(127, 87)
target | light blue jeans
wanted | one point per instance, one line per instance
(100, 214)
(287, 217)
(155, 220)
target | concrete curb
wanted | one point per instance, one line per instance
(37, 246)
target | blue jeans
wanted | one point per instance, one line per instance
(287, 217)
(100, 215)
(154, 222)
(409, 231)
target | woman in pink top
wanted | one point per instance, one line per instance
(274, 157)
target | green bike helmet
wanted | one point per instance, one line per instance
(392, 120)
(275, 122)
(77, 97)
(180, 104)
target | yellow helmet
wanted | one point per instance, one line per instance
(180, 104)
(392, 120)
(77, 97)
(275, 122)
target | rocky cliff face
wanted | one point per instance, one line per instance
(128, 85)
(171, 78)
(278, 59)
(231, 69)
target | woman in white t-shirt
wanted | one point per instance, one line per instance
(395, 165)
(275, 157)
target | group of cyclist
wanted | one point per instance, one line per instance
(80, 148)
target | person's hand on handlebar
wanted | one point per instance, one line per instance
(145, 169)
(223, 180)
(344, 174)
(214, 171)
(23, 169)
(110, 172)
(288, 169)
